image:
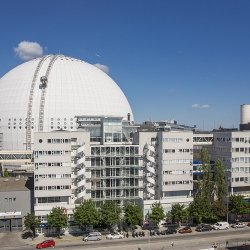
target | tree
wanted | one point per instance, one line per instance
(6, 173)
(133, 215)
(219, 209)
(31, 222)
(86, 214)
(157, 213)
(208, 202)
(201, 210)
(110, 213)
(206, 183)
(179, 213)
(236, 204)
(57, 219)
(219, 181)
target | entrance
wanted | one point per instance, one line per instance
(10, 224)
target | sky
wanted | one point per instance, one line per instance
(183, 60)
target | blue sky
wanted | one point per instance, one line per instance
(185, 60)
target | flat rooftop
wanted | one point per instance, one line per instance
(8, 184)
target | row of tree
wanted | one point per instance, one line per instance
(86, 215)
(109, 214)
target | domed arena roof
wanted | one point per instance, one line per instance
(46, 94)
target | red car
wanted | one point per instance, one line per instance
(185, 230)
(46, 243)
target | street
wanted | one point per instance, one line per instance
(194, 241)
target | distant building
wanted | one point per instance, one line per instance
(16, 199)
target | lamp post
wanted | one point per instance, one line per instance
(228, 186)
(227, 205)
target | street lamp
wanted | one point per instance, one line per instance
(228, 185)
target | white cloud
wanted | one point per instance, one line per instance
(102, 67)
(27, 50)
(204, 106)
(196, 105)
(200, 106)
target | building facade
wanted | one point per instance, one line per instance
(17, 200)
(97, 162)
(233, 150)
(168, 167)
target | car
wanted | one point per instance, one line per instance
(114, 236)
(27, 234)
(221, 225)
(169, 231)
(185, 230)
(239, 225)
(203, 228)
(93, 236)
(45, 244)
(248, 224)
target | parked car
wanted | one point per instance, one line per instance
(203, 228)
(248, 224)
(221, 225)
(239, 225)
(114, 236)
(27, 234)
(185, 230)
(93, 236)
(45, 244)
(169, 231)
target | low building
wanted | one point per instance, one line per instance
(16, 199)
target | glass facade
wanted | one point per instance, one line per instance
(115, 173)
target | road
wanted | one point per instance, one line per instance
(194, 241)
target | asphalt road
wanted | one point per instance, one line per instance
(193, 241)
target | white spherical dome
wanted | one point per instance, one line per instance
(73, 88)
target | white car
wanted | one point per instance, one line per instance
(239, 225)
(115, 236)
(221, 225)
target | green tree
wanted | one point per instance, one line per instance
(206, 183)
(110, 213)
(179, 213)
(6, 173)
(219, 210)
(201, 210)
(219, 181)
(57, 219)
(208, 204)
(157, 213)
(31, 222)
(133, 215)
(237, 204)
(86, 214)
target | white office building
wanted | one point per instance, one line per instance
(233, 149)
(168, 167)
(97, 162)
